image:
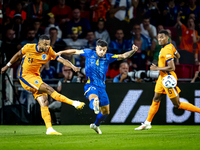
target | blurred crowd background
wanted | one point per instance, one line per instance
(77, 24)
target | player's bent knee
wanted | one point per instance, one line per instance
(156, 99)
(43, 101)
(105, 112)
(46, 102)
(176, 106)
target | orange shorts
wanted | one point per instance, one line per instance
(32, 83)
(160, 88)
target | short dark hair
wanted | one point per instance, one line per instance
(90, 31)
(44, 37)
(146, 17)
(164, 32)
(30, 29)
(53, 28)
(101, 43)
(36, 20)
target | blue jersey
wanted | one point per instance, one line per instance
(96, 67)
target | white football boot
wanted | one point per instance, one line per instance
(95, 128)
(96, 105)
(51, 131)
(78, 105)
(144, 126)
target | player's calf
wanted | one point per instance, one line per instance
(96, 105)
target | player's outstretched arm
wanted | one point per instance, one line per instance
(128, 54)
(68, 63)
(12, 60)
(70, 52)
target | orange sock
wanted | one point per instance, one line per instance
(46, 116)
(55, 95)
(153, 110)
(189, 107)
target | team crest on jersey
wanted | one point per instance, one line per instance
(36, 82)
(44, 56)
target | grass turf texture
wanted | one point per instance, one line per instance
(114, 137)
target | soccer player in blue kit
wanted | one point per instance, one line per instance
(96, 65)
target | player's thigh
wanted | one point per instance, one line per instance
(105, 110)
(45, 88)
(159, 86)
(91, 92)
(43, 100)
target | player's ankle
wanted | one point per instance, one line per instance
(147, 122)
(49, 128)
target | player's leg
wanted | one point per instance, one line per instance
(154, 106)
(152, 111)
(94, 103)
(104, 110)
(43, 101)
(59, 97)
(185, 106)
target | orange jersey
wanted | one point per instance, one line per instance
(187, 39)
(32, 59)
(166, 54)
(102, 7)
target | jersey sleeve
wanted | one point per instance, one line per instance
(85, 52)
(183, 27)
(24, 49)
(112, 57)
(169, 55)
(53, 54)
(174, 49)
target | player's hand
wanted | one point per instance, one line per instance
(4, 69)
(134, 47)
(124, 76)
(59, 53)
(76, 69)
(153, 67)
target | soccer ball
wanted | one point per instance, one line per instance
(169, 81)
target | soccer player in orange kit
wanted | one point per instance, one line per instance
(166, 67)
(33, 57)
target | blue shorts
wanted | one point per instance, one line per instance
(100, 92)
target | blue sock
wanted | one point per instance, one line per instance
(91, 104)
(100, 118)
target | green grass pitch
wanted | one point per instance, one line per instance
(114, 137)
